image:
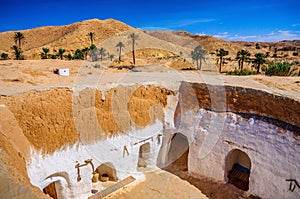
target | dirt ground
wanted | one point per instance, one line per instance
(208, 186)
(159, 184)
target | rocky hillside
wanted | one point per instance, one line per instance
(70, 37)
(107, 33)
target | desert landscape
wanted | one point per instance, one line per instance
(100, 109)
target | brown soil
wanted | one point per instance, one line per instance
(13, 174)
(45, 117)
(146, 105)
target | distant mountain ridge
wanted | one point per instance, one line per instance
(75, 36)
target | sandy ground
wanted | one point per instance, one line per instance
(22, 76)
(159, 184)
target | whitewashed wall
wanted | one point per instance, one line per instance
(274, 152)
(109, 150)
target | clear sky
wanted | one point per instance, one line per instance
(261, 20)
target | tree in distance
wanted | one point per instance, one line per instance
(91, 35)
(133, 38)
(221, 53)
(61, 52)
(18, 37)
(120, 45)
(198, 54)
(242, 56)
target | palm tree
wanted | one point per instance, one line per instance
(91, 35)
(221, 53)
(18, 52)
(18, 37)
(120, 45)
(259, 59)
(111, 56)
(85, 52)
(44, 55)
(133, 37)
(241, 56)
(61, 51)
(101, 51)
(198, 54)
(93, 52)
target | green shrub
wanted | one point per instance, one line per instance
(52, 56)
(4, 56)
(44, 56)
(241, 72)
(68, 56)
(78, 54)
(278, 68)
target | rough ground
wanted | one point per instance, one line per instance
(160, 185)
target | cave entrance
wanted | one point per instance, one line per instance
(237, 169)
(179, 151)
(144, 155)
(51, 190)
(107, 172)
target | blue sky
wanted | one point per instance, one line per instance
(230, 20)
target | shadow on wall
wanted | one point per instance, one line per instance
(237, 169)
(107, 172)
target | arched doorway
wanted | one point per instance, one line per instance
(107, 172)
(51, 190)
(144, 154)
(238, 168)
(178, 151)
(55, 184)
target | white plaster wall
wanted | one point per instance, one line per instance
(274, 152)
(109, 150)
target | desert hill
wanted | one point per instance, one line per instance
(107, 33)
(211, 43)
(70, 37)
(283, 50)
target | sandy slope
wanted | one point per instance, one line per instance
(70, 37)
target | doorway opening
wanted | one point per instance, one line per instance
(144, 155)
(51, 190)
(237, 169)
(107, 172)
(179, 151)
